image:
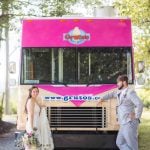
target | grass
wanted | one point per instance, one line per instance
(144, 131)
(144, 94)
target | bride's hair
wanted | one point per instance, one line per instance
(30, 96)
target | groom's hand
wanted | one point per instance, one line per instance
(132, 115)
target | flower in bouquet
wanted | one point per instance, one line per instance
(31, 139)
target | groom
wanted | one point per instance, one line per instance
(129, 110)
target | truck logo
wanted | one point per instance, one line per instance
(76, 36)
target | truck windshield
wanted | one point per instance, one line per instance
(77, 65)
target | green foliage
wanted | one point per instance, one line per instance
(57, 8)
(5, 6)
(1, 105)
(13, 107)
(13, 9)
(142, 49)
(144, 94)
(91, 3)
(1, 112)
(139, 12)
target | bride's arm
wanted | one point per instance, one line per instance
(30, 111)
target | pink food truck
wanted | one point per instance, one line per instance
(74, 61)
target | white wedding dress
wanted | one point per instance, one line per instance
(40, 122)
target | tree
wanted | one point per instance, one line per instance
(139, 12)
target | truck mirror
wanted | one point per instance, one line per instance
(141, 66)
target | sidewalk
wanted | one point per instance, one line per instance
(7, 139)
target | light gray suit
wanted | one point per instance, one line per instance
(128, 102)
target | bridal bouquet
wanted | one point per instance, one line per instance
(30, 140)
(27, 141)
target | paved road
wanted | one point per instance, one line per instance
(7, 140)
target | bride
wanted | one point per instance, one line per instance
(36, 119)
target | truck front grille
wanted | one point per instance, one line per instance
(77, 117)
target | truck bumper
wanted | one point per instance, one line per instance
(85, 140)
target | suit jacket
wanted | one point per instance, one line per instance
(127, 102)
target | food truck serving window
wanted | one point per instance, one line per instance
(78, 65)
